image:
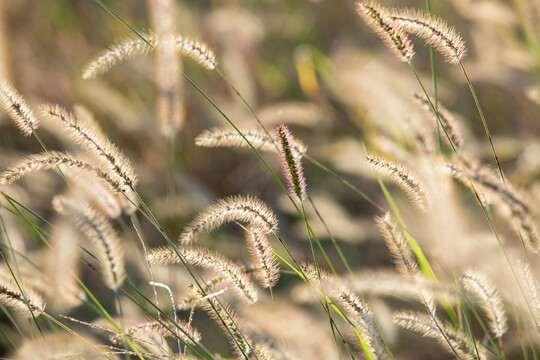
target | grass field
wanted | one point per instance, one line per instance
(269, 179)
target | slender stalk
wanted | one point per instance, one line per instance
(434, 79)
(481, 113)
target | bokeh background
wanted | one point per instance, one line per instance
(310, 64)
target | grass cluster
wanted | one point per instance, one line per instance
(266, 181)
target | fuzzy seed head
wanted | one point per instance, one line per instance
(211, 260)
(378, 18)
(403, 177)
(404, 258)
(434, 30)
(152, 326)
(117, 53)
(51, 160)
(292, 166)
(362, 317)
(13, 103)
(132, 47)
(448, 121)
(513, 204)
(236, 208)
(450, 338)
(96, 144)
(226, 317)
(102, 235)
(532, 293)
(489, 299)
(263, 257)
(231, 138)
(29, 303)
(197, 50)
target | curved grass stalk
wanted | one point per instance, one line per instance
(484, 122)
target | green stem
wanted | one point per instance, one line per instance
(434, 79)
(481, 113)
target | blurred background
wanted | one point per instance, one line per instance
(313, 65)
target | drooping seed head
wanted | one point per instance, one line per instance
(264, 258)
(489, 299)
(447, 121)
(404, 258)
(454, 340)
(17, 109)
(28, 302)
(198, 256)
(403, 177)
(95, 143)
(379, 19)
(235, 208)
(217, 137)
(101, 233)
(434, 30)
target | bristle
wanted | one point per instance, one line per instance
(84, 115)
(403, 177)
(51, 160)
(489, 298)
(153, 326)
(236, 208)
(390, 283)
(28, 304)
(95, 143)
(101, 233)
(447, 119)
(99, 194)
(229, 321)
(121, 51)
(452, 339)
(292, 166)
(217, 137)
(132, 47)
(530, 289)
(194, 295)
(515, 206)
(211, 260)
(432, 29)
(362, 317)
(404, 259)
(378, 18)
(17, 109)
(197, 50)
(264, 257)
(358, 311)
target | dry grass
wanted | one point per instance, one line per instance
(126, 238)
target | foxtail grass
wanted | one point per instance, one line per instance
(291, 163)
(101, 233)
(218, 137)
(489, 299)
(403, 177)
(380, 21)
(96, 144)
(433, 30)
(132, 47)
(236, 208)
(29, 302)
(21, 114)
(210, 260)
(453, 340)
